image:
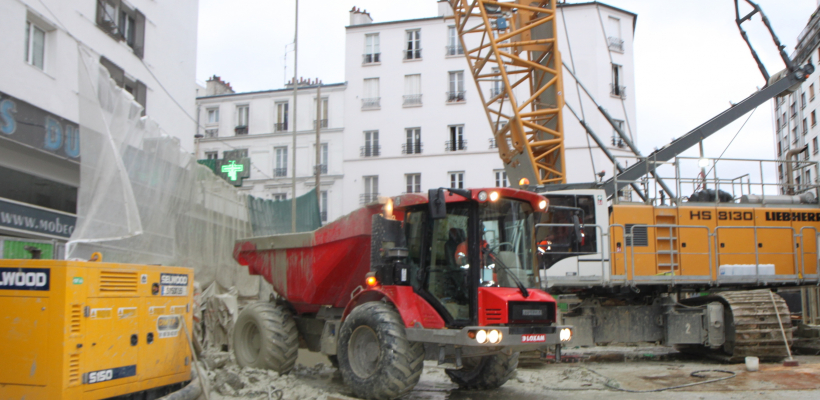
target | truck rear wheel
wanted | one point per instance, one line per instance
(265, 336)
(484, 373)
(375, 357)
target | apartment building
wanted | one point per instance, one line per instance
(148, 47)
(795, 116)
(415, 120)
(260, 126)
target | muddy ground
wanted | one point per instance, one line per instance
(636, 369)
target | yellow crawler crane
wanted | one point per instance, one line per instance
(690, 270)
(516, 43)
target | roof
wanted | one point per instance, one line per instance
(634, 16)
(284, 90)
(394, 22)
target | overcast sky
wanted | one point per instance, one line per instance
(690, 60)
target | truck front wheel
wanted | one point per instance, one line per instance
(265, 336)
(484, 373)
(376, 359)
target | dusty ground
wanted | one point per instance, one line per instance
(314, 378)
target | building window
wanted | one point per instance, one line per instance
(279, 196)
(413, 45)
(370, 97)
(501, 178)
(793, 109)
(617, 141)
(807, 182)
(814, 145)
(371, 146)
(412, 90)
(35, 45)
(413, 183)
(322, 120)
(457, 141)
(497, 87)
(213, 115)
(794, 134)
(779, 149)
(811, 92)
(123, 23)
(372, 53)
(614, 35)
(805, 126)
(323, 205)
(371, 189)
(323, 155)
(212, 155)
(456, 87)
(242, 119)
(134, 87)
(457, 180)
(281, 158)
(281, 124)
(813, 118)
(617, 88)
(453, 44)
(413, 143)
(803, 100)
(785, 121)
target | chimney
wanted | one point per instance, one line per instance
(446, 10)
(216, 86)
(359, 17)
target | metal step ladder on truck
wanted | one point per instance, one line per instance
(369, 290)
(693, 262)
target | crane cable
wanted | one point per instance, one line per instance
(580, 100)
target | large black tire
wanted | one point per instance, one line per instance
(484, 373)
(375, 357)
(265, 336)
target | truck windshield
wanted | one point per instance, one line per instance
(507, 244)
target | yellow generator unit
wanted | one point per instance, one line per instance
(88, 330)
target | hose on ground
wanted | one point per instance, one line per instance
(190, 392)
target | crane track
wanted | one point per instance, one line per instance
(751, 325)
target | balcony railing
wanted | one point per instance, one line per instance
(280, 172)
(412, 54)
(280, 127)
(411, 100)
(371, 58)
(455, 145)
(617, 91)
(323, 123)
(241, 130)
(372, 103)
(322, 168)
(370, 151)
(493, 143)
(211, 132)
(453, 97)
(455, 50)
(366, 198)
(411, 148)
(616, 44)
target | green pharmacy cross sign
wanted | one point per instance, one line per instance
(233, 167)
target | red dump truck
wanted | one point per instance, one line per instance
(455, 269)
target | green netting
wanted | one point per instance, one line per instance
(211, 164)
(13, 249)
(270, 217)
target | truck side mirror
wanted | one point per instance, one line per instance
(437, 205)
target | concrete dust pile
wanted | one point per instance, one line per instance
(229, 381)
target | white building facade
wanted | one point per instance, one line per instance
(795, 115)
(149, 48)
(415, 120)
(260, 125)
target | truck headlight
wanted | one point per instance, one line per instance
(565, 335)
(494, 336)
(481, 336)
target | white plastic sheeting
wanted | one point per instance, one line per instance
(143, 199)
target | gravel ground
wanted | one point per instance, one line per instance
(314, 378)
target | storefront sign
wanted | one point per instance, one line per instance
(32, 126)
(20, 217)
